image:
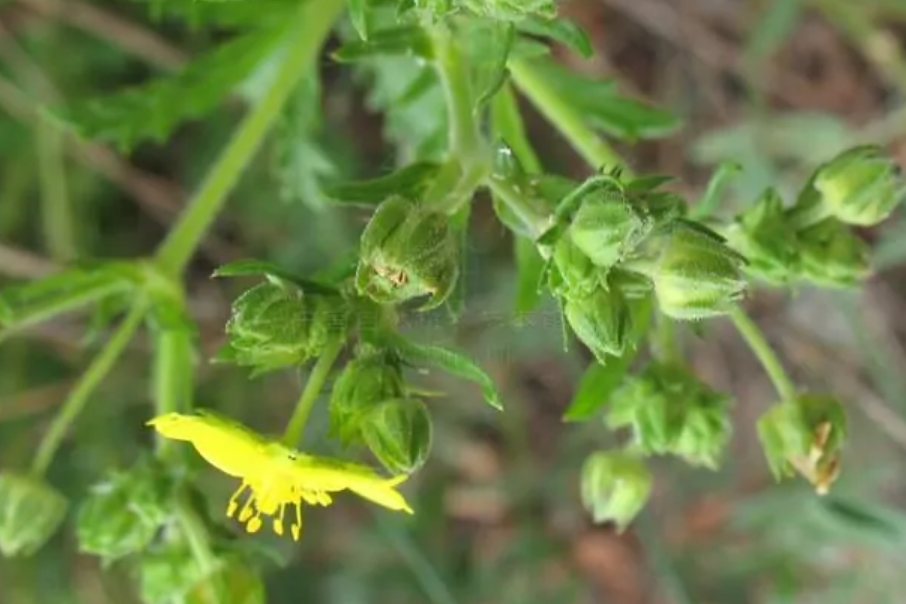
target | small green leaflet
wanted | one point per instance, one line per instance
(152, 111)
(36, 301)
(447, 360)
(560, 30)
(407, 40)
(275, 274)
(409, 181)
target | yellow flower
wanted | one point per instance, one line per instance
(273, 475)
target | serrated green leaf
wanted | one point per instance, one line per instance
(561, 30)
(410, 181)
(603, 106)
(153, 110)
(302, 162)
(409, 41)
(30, 303)
(452, 362)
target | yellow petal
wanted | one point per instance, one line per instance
(226, 445)
(382, 492)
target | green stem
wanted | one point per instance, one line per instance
(519, 201)
(469, 160)
(315, 22)
(56, 215)
(563, 116)
(313, 386)
(96, 372)
(754, 337)
(465, 139)
(196, 535)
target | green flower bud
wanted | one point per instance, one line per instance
(695, 274)
(122, 515)
(167, 573)
(364, 383)
(275, 325)
(806, 436)
(572, 273)
(233, 581)
(606, 228)
(602, 320)
(407, 252)
(615, 487)
(399, 434)
(764, 235)
(832, 255)
(861, 186)
(31, 511)
(671, 412)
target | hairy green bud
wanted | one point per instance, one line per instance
(615, 487)
(764, 235)
(364, 383)
(861, 186)
(832, 255)
(695, 274)
(399, 434)
(31, 511)
(275, 325)
(572, 273)
(122, 515)
(408, 252)
(805, 435)
(606, 228)
(669, 411)
(602, 321)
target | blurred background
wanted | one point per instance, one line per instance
(777, 85)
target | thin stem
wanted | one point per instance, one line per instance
(315, 22)
(519, 202)
(313, 386)
(196, 535)
(562, 115)
(56, 214)
(754, 337)
(88, 382)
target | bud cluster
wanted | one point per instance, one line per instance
(669, 411)
(370, 404)
(618, 242)
(813, 241)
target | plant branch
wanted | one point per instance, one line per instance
(754, 337)
(313, 387)
(565, 118)
(314, 24)
(88, 382)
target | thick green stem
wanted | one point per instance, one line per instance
(96, 372)
(313, 387)
(315, 22)
(754, 337)
(469, 159)
(562, 115)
